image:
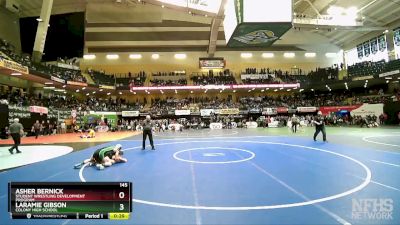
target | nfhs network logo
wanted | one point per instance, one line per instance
(372, 209)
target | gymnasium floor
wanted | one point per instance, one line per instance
(254, 176)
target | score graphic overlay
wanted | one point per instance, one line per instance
(91, 200)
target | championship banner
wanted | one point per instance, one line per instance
(13, 66)
(360, 51)
(306, 109)
(130, 113)
(270, 111)
(182, 112)
(326, 110)
(367, 49)
(77, 83)
(374, 45)
(107, 87)
(382, 43)
(229, 111)
(396, 36)
(206, 112)
(56, 79)
(282, 109)
(38, 109)
(367, 110)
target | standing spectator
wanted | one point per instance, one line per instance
(16, 131)
(36, 128)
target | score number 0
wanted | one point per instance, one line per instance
(121, 195)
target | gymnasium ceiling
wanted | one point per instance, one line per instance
(133, 26)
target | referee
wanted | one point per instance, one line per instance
(319, 126)
(147, 126)
(16, 131)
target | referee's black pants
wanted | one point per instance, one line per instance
(17, 141)
(37, 132)
(320, 129)
(145, 134)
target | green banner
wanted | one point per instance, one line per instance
(258, 34)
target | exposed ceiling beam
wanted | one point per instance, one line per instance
(215, 24)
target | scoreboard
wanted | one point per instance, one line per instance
(91, 200)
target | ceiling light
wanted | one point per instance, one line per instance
(112, 56)
(135, 56)
(281, 88)
(352, 11)
(310, 54)
(288, 89)
(89, 56)
(289, 54)
(266, 89)
(180, 56)
(16, 74)
(268, 55)
(335, 10)
(155, 56)
(331, 55)
(246, 55)
(276, 90)
(262, 90)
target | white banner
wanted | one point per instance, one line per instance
(216, 126)
(368, 109)
(185, 112)
(273, 124)
(256, 76)
(251, 125)
(130, 113)
(270, 111)
(206, 112)
(389, 73)
(68, 66)
(306, 109)
(59, 80)
(174, 126)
